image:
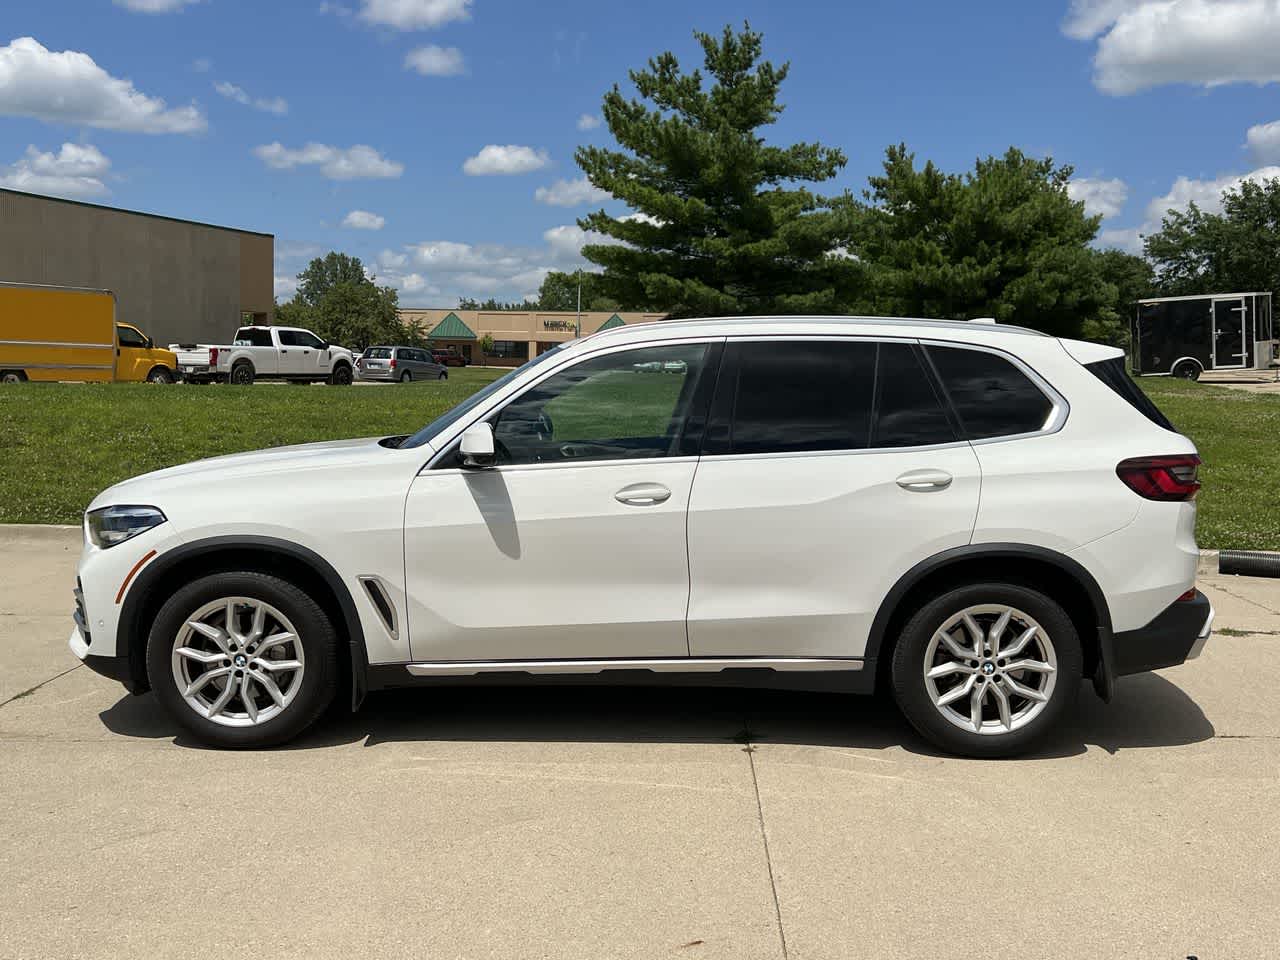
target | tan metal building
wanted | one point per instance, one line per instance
(517, 335)
(177, 280)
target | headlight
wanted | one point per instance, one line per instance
(112, 525)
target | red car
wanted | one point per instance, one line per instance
(449, 358)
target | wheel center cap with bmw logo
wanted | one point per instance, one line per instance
(988, 668)
(241, 660)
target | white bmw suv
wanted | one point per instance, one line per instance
(974, 516)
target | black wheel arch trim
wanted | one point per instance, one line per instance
(131, 609)
(1104, 677)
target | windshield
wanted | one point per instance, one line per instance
(475, 400)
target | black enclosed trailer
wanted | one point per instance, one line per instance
(1185, 336)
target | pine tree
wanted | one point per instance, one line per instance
(721, 226)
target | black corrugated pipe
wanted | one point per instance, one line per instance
(1249, 563)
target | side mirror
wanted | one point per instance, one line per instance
(477, 446)
(151, 344)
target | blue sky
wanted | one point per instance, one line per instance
(435, 138)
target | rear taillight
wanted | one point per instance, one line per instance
(392, 364)
(213, 356)
(1188, 596)
(1161, 478)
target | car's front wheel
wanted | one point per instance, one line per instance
(243, 659)
(987, 670)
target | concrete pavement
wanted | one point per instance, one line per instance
(592, 823)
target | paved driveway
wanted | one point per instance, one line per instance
(586, 823)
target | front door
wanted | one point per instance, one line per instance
(573, 546)
(133, 361)
(1228, 333)
(830, 469)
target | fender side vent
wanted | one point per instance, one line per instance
(382, 603)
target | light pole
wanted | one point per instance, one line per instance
(577, 327)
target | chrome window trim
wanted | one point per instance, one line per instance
(520, 387)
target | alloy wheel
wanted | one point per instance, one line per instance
(238, 662)
(990, 669)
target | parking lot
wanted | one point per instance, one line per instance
(595, 823)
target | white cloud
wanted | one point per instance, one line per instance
(447, 269)
(276, 105)
(68, 87)
(414, 14)
(1206, 194)
(285, 287)
(1105, 197)
(337, 9)
(494, 160)
(433, 61)
(571, 193)
(1149, 43)
(201, 65)
(588, 121)
(364, 220)
(359, 162)
(74, 171)
(1263, 141)
(155, 6)
(1128, 239)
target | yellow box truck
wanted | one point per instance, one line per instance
(70, 333)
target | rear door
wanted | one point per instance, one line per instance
(830, 468)
(1228, 333)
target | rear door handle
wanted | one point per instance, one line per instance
(642, 494)
(922, 480)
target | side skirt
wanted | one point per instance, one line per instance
(844, 675)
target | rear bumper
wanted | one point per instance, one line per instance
(1176, 635)
(384, 375)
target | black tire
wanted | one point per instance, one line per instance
(160, 375)
(908, 669)
(315, 632)
(299, 383)
(12, 376)
(242, 374)
(406, 377)
(341, 375)
(1187, 370)
(444, 375)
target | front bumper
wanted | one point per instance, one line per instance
(1176, 635)
(113, 668)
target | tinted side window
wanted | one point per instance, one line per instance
(908, 411)
(129, 337)
(288, 338)
(798, 396)
(254, 337)
(992, 397)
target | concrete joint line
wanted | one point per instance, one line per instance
(750, 750)
(31, 690)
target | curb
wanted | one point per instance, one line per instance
(40, 532)
(1208, 565)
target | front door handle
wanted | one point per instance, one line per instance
(642, 494)
(923, 480)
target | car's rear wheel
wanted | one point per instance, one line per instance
(406, 377)
(243, 659)
(242, 374)
(987, 670)
(1187, 370)
(444, 375)
(12, 376)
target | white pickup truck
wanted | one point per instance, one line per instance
(271, 353)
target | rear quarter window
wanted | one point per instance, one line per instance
(1115, 375)
(990, 394)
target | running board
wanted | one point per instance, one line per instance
(462, 668)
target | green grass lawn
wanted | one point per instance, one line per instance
(1236, 433)
(62, 443)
